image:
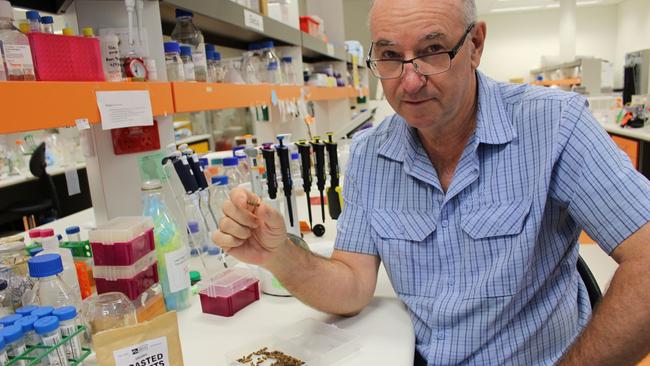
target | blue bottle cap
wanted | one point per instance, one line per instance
(43, 311)
(46, 324)
(237, 148)
(230, 161)
(194, 252)
(288, 59)
(34, 251)
(8, 320)
(216, 161)
(186, 50)
(33, 15)
(47, 20)
(27, 323)
(204, 162)
(209, 47)
(295, 156)
(11, 333)
(183, 13)
(2, 343)
(193, 227)
(65, 313)
(172, 47)
(26, 310)
(272, 66)
(45, 265)
(267, 44)
(72, 230)
(209, 55)
(217, 56)
(220, 180)
(254, 46)
(213, 250)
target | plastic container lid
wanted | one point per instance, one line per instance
(11, 333)
(216, 161)
(8, 320)
(172, 47)
(154, 184)
(33, 15)
(183, 13)
(193, 227)
(34, 251)
(228, 282)
(236, 149)
(121, 229)
(186, 50)
(204, 162)
(195, 276)
(72, 230)
(46, 325)
(295, 156)
(266, 44)
(43, 311)
(209, 47)
(220, 180)
(34, 233)
(217, 56)
(27, 323)
(230, 161)
(45, 265)
(26, 310)
(65, 313)
(114, 273)
(47, 232)
(47, 20)
(67, 31)
(88, 32)
(288, 59)
(209, 55)
(213, 250)
(272, 66)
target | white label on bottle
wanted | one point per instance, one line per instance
(150, 353)
(199, 58)
(57, 356)
(17, 57)
(330, 49)
(72, 347)
(253, 20)
(17, 351)
(178, 269)
(3, 358)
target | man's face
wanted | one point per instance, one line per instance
(411, 28)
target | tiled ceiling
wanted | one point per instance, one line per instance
(496, 6)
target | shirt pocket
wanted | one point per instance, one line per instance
(494, 247)
(405, 246)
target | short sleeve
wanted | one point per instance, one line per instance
(604, 194)
(353, 228)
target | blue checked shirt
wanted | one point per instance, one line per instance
(487, 270)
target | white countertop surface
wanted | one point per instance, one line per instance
(21, 178)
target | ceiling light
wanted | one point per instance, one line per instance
(517, 8)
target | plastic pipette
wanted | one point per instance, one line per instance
(333, 196)
(184, 172)
(319, 150)
(305, 164)
(285, 171)
(269, 159)
(254, 166)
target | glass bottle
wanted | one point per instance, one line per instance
(16, 54)
(34, 20)
(173, 254)
(231, 170)
(47, 24)
(288, 71)
(50, 245)
(271, 63)
(219, 193)
(187, 33)
(49, 289)
(188, 63)
(173, 62)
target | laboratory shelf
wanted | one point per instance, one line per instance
(561, 82)
(224, 23)
(35, 105)
(315, 49)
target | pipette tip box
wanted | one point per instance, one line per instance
(228, 292)
(130, 280)
(122, 241)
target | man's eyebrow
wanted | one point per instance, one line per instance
(433, 35)
(384, 43)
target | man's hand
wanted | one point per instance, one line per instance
(249, 233)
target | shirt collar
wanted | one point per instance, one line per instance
(493, 126)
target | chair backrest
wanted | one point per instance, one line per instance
(590, 282)
(37, 166)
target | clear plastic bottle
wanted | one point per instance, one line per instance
(50, 245)
(219, 193)
(43, 311)
(13, 337)
(34, 20)
(48, 329)
(34, 237)
(230, 168)
(16, 54)
(188, 63)
(68, 322)
(49, 289)
(250, 66)
(110, 47)
(216, 71)
(3, 353)
(271, 63)
(288, 71)
(6, 305)
(187, 33)
(173, 62)
(173, 254)
(47, 24)
(73, 233)
(27, 323)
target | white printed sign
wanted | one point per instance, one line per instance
(119, 109)
(82, 124)
(253, 20)
(72, 181)
(178, 269)
(153, 352)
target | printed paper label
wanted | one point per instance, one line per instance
(119, 109)
(17, 57)
(82, 124)
(253, 20)
(153, 352)
(178, 270)
(72, 181)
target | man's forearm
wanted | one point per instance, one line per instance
(326, 284)
(618, 332)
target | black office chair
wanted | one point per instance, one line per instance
(47, 206)
(590, 282)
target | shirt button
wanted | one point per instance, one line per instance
(451, 282)
(445, 223)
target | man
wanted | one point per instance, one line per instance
(473, 195)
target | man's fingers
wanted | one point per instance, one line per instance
(242, 216)
(225, 241)
(242, 198)
(232, 227)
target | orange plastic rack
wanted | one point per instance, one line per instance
(42, 104)
(563, 82)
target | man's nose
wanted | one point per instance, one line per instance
(412, 81)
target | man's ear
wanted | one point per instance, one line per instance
(478, 42)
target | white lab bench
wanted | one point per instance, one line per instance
(22, 178)
(384, 329)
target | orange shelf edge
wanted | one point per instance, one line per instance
(35, 105)
(563, 82)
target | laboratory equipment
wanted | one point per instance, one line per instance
(14, 47)
(110, 49)
(68, 322)
(250, 69)
(49, 289)
(13, 337)
(122, 241)
(636, 77)
(69, 275)
(270, 63)
(26, 310)
(218, 195)
(34, 20)
(188, 63)
(271, 181)
(27, 324)
(152, 69)
(287, 185)
(253, 167)
(319, 151)
(86, 31)
(3, 352)
(73, 233)
(132, 63)
(10, 319)
(226, 293)
(108, 311)
(333, 191)
(199, 242)
(68, 31)
(43, 311)
(218, 70)
(130, 280)
(6, 303)
(34, 237)
(173, 62)
(289, 71)
(230, 165)
(48, 329)
(173, 254)
(47, 24)
(186, 32)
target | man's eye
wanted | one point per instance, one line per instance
(390, 55)
(433, 48)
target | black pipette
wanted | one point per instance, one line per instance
(285, 171)
(305, 164)
(184, 172)
(333, 198)
(195, 165)
(319, 150)
(269, 159)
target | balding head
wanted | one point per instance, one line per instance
(468, 8)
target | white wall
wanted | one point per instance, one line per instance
(517, 41)
(633, 32)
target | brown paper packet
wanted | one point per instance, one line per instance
(166, 325)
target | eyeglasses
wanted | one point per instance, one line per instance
(429, 64)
